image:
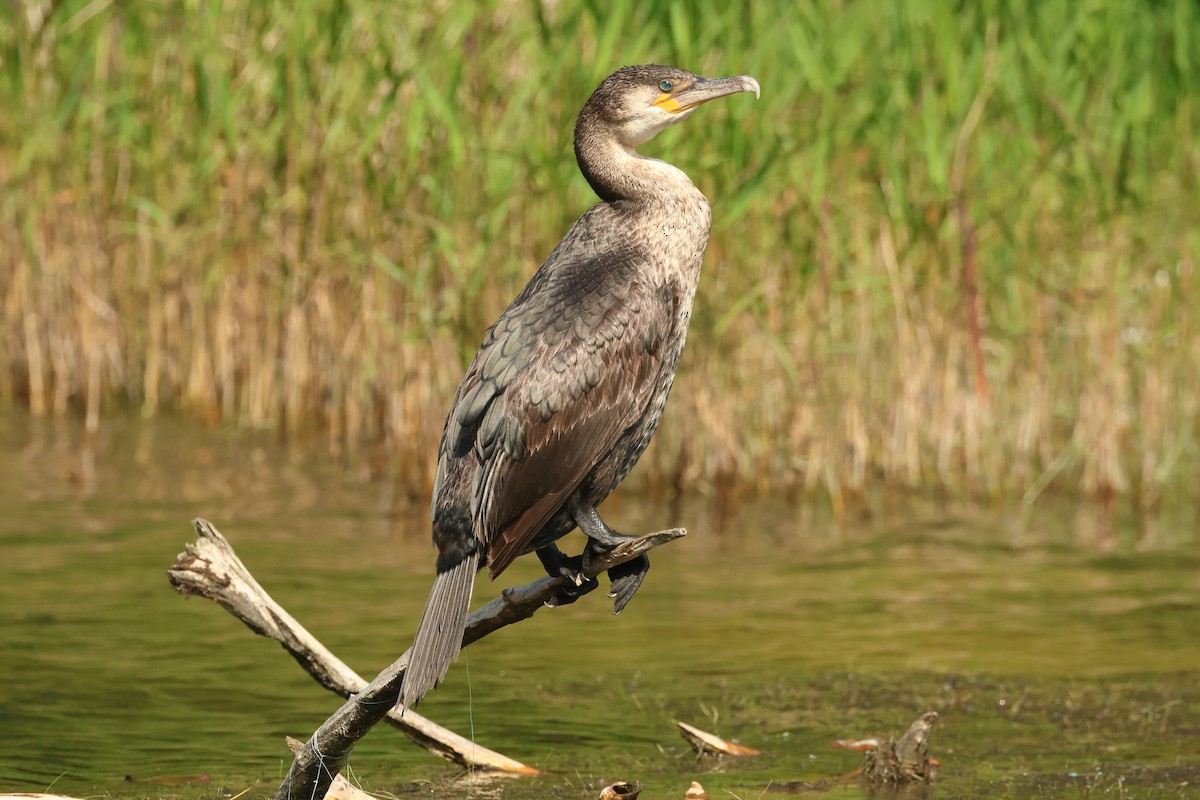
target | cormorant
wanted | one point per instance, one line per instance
(570, 383)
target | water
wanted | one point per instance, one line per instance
(1060, 646)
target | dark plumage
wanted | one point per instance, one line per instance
(570, 383)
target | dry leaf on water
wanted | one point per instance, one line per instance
(862, 745)
(703, 742)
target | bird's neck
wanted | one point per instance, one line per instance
(617, 172)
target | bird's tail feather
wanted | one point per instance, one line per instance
(439, 637)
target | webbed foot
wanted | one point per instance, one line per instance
(627, 577)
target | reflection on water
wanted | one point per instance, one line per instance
(1050, 640)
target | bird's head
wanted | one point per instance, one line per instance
(636, 103)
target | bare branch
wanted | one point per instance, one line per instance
(209, 568)
(326, 751)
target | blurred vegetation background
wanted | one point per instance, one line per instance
(955, 244)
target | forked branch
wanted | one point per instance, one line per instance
(209, 568)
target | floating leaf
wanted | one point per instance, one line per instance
(703, 742)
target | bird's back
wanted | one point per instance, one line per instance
(570, 383)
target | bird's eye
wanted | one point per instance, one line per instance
(665, 86)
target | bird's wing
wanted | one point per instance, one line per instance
(565, 371)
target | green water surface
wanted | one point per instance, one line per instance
(1059, 644)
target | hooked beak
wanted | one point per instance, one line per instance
(703, 90)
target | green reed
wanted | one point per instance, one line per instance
(955, 244)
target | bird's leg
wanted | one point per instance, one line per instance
(570, 569)
(625, 578)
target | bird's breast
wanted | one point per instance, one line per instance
(673, 233)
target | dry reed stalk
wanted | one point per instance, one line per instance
(295, 367)
(947, 411)
(153, 349)
(262, 372)
(972, 300)
(35, 364)
(1103, 405)
(225, 331)
(976, 409)
(1152, 413)
(1151, 393)
(173, 339)
(92, 391)
(1036, 429)
(88, 335)
(1033, 400)
(721, 424)
(354, 352)
(61, 335)
(857, 445)
(199, 390)
(902, 456)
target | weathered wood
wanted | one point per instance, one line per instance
(207, 570)
(210, 568)
(327, 749)
(340, 789)
(906, 761)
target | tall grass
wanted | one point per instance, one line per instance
(955, 246)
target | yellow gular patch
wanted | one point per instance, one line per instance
(668, 103)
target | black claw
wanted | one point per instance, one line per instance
(559, 565)
(625, 578)
(570, 592)
(570, 569)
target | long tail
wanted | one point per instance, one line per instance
(439, 637)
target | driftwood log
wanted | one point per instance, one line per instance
(209, 568)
